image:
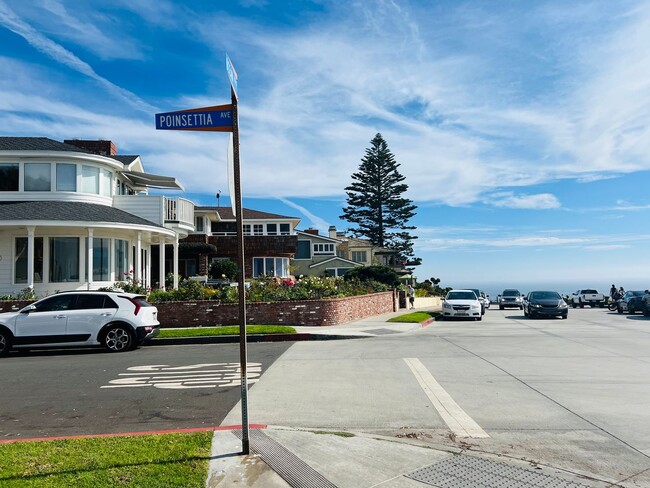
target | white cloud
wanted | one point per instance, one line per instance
(510, 200)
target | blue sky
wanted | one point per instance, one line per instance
(522, 128)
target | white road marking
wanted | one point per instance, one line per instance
(455, 417)
(184, 377)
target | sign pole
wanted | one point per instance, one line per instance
(241, 282)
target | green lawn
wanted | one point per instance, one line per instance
(167, 460)
(415, 317)
(226, 330)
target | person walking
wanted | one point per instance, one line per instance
(411, 295)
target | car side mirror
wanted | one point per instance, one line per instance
(28, 308)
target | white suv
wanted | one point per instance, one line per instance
(116, 320)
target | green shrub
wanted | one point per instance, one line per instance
(381, 274)
(223, 268)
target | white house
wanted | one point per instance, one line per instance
(74, 215)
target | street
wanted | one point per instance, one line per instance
(78, 392)
(568, 393)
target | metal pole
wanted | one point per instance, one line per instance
(241, 283)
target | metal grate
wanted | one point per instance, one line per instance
(472, 472)
(290, 467)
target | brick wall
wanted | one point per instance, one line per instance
(307, 312)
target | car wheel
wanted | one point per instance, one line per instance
(573, 305)
(631, 310)
(565, 316)
(646, 312)
(118, 338)
(5, 343)
(619, 309)
(582, 305)
(479, 319)
(500, 307)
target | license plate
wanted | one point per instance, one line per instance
(463, 314)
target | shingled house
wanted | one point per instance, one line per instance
(76, 215)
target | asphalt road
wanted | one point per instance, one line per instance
(78, 392)
(573, 393)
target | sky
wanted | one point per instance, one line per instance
(522, 128)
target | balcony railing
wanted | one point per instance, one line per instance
(158, 209)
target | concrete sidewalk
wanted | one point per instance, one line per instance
(367, 327)
(283, 457)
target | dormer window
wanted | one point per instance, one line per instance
(323, 248)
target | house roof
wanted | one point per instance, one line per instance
(67, 211)
(335, 259)
(225, 213)
(36, 144)
(302, 233)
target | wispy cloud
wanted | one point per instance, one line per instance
(61, 55)
(314, 221)
(510, 200)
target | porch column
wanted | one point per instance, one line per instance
(176, 262)
(89, 258)
(137, 271)
(161, 264)
(30, 257)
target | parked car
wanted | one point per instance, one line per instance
(485, 298)
(587, 296)
(461, 304)
(477, 292)
(115, 320)
(632, 302)
(510, 298)
(545, 304)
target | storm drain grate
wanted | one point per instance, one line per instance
(290, 467)
(472, 472)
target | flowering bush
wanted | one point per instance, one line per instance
(131, 285)
(269, 289)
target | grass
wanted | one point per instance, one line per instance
(415, 317)
(226, 330)
(169, 460)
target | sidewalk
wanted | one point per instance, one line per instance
(367, 327)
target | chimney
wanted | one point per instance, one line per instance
(332, 231)
(311, 231)
(103, 148)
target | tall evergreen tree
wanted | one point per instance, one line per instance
(375, 202)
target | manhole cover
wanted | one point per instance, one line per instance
(473, 472)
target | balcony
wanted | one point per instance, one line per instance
(174, 213)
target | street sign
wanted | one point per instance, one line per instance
(218, 118)
(232, 75)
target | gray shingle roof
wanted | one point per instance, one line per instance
(36, 144)
(124, 159)
(226, 213)
(68, 211)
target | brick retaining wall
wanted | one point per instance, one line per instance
(306, 312)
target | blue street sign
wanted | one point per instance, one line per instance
(218, 118)
(232, 75)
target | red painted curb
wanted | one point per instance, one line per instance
(132, 434)
(427, 322)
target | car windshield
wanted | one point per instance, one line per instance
(544, 295)
(590, 292)
(461, 295)
(638, 293)
(511, 293)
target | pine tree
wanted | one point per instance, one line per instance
(376, 205)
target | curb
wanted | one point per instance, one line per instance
(249, 338)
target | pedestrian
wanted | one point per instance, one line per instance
(612, 291)
(621, 291)
(411, 294)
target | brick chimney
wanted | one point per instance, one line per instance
(312, 231)
(332, 231)
(103, 148)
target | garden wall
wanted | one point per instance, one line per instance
(308, 312)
